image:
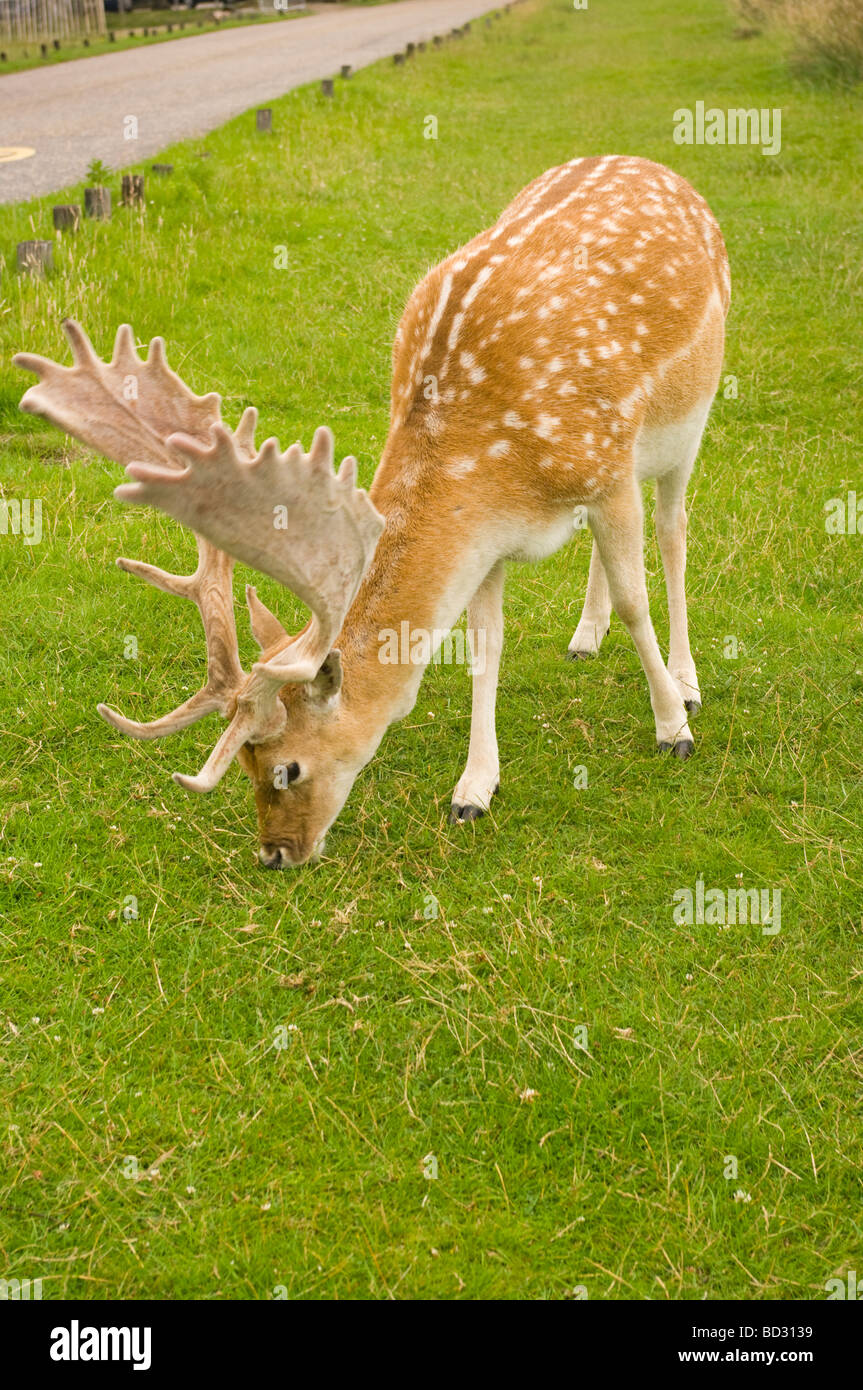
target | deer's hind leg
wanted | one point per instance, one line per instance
(618, 528)
(671, 534)
(595, 615)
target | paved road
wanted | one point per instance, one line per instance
(74, 112)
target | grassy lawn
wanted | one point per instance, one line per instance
(251, 1084)
(129, 33)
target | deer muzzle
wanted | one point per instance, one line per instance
(292, 854)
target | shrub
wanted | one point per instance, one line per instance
(827, 35)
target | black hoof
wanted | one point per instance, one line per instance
(578, 656)
(460, 815)
(692, 706)
(681, 750)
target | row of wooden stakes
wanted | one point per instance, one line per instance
(36, 257)
(264, 117)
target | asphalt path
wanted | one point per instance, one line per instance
(75, 112)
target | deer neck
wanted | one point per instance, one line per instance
(428, 564)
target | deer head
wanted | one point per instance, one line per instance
(287, 515)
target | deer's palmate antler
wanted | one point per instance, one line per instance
(287, 515)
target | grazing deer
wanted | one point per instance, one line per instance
(553, 363)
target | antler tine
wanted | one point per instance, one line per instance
(245, 431)
(211, 590)
(266, 628)
(224, 753)
(200, 704)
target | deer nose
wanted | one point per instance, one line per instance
(274, 857)
(288, 856)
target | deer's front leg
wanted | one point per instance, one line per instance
(481, 777)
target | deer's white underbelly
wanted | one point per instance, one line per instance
(537, 540)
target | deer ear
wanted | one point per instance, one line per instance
(328, 681)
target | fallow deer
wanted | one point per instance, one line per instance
(553, 363)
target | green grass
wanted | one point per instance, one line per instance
(155, 1038)
(129, 30)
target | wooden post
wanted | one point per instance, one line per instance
(43, 49)
(398, 58)
(409, 51)
(327, 86)
(67, 217)
(346, 69)
(132, 191)
(163, 169)
(112, 37)
(35, 257)
(97, 203)
(421, 48)
(437, 40)
(56, 45)
(264, 120)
